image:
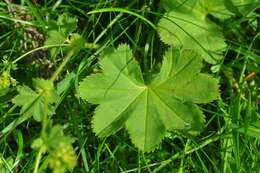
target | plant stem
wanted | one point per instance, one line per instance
(186, 152)
(66, 60)
(38, 158)
(121, 10)
(38, 48)
(44, 123)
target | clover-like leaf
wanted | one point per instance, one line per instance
(33, 102)
(188, 26)
(148, 110)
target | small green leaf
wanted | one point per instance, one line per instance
(55, 38)
(56, 137)
(37, 143)
(148, 110)
(33, 102)
(77, 42)
(67, 23)
(46, 86)
(60, 32)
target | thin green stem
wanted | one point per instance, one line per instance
(37, 49)
(121, 10)
(187, 152)
(7, 113)
(43, 132)
(38, 159)
(109, 26)
(87, 45)
(45, 117)
(60, 68)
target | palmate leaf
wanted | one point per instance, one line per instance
(187, 25)
(148, 110)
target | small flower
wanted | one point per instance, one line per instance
(4, 80)
(63, 158)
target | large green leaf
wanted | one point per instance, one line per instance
(148, 110)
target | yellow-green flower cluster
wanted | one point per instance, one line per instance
(6, 80)
(63, 159)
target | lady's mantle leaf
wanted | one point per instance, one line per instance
(187, 25)
(148, 110)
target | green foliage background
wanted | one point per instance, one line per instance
(56, 54)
